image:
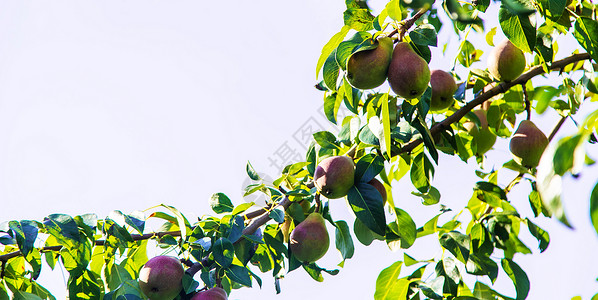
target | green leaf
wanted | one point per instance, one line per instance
(518, 28)
(594, 207)
(386, 280)
(331, 71)
(331, 105)
(346, 48)
(540, 234)
(239, 274)
(251, 172)
(277, 214)
(368, 167)
(424, 34)
(242, 208)
(236, 226)
(334, 41)
(220, 203)
(456, 243)
(363, 234)
(359, 19)
(422, 172)
(570, 154)
(423, 129)
(326, 140)
(586, 33)
(404, 227)
(549, 187)
(224, 252)
(386, 144)
(553, 9)
(393, 8)
(25, 232)
(343, 240)
(366, 203)
(63, 228)
(518, 277)
(430, 198)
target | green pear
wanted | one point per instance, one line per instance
(334, 176)
(285, 228)
(506, 62)
(367, 69)
(309, 241)
(161, 278)
(380, 187)
(215, 293)
(408, 73)
(527, 144)
(443, 88)
(482, 136)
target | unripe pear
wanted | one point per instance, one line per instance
(367, 69)
(334, 176)
(506, 62)
(482, 136)
(215, 293)
(380, 187)
(443, 88)
(161, 278)
(527, 144)
(309, 241)
(408, 73)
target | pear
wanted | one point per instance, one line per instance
(506, 62)
(408, 73)
(367, 69)
(285, 228)
(380, 187)
(443, 88)
(482, 136)
(527, 144)
(309, 241)
(334, 176)
(215, 293)
(161, 278)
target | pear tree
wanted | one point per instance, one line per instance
(403, 118)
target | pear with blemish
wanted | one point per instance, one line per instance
(443, 88)
(367, 69)
(309, 241)
(408, 73)
(527, 144)
(506, 62)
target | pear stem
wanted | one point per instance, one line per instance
(556, 128)
(528, 108)
(404, 25)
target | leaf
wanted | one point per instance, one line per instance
(519, 29)
(422, 172)
(393, 8)
(386, 144)
(570, 154)
(251, 172)
(553, 9)
(542, 236)
(334, 41)
(331, 71)
(223, 252)
(239, 274)
(456, 243)
(236, 227)
(367, 167)
(63, 228)
(430, 198)
(594, 207)
(277, 214)
(405, 228)
(326, 139)
(25, 232)
(331, 105)
(363, 234)
(385, 281)
(366, 203)
(343, 240)
(549, 187)
(586, 34)
(359, 19)
(220, 203)
(518, 277)
(424, 34)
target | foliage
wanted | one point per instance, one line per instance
(387, 137)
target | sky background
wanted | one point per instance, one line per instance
(122, 105)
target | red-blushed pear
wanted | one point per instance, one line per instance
(215, 293)
(161, 278)
(380, 187)
(527, 144)
(482, 136)
(506, 62)
(408, 73)
(367, 69)
(334, 176)
(309, 241)
(443, 88)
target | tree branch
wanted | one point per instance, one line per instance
(498, 89)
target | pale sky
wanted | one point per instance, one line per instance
(122, 105)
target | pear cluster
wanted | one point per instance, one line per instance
(407, 73)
